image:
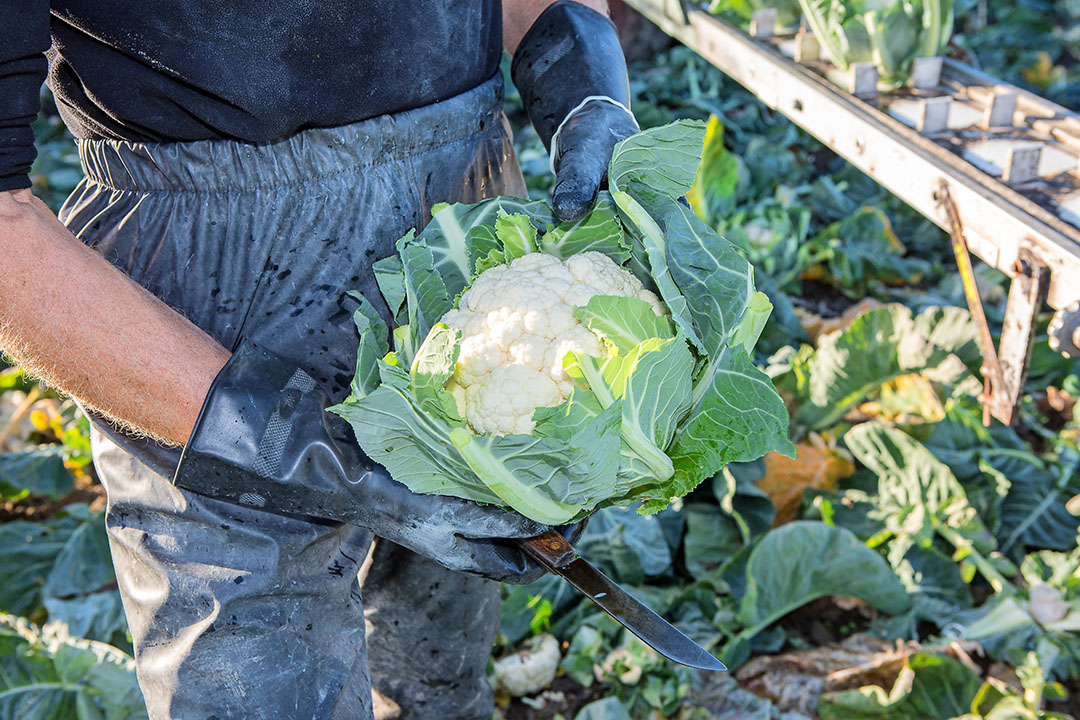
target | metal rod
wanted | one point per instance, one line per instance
(991, 365)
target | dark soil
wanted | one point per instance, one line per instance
(821, 299)
(574, 698)
(826, 620)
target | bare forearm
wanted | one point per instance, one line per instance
(518, 17)
(77, 322)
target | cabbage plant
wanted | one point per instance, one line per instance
(889, 33)
(645, 397)
(787, 11)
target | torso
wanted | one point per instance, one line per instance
(164, 70)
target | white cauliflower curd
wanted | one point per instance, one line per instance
(517, 322)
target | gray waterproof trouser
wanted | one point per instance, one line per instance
(237, 613)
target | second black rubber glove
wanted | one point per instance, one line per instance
(263, 439)
(571, 73)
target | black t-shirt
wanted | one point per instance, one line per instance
(252, 70)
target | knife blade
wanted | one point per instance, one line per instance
(558, 556)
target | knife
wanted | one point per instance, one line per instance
(558, 556)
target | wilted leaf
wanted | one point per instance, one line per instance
(930, 687)
(906, 399)
(786, 478)
(794, 680)
(717, 695)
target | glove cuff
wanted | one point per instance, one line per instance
(569, 57)
(262, 439)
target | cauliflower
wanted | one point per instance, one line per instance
(517, 323)
(657, 398)
(530, 670)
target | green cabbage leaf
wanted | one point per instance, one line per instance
(673, 399)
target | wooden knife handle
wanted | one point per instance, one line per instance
(550, 549)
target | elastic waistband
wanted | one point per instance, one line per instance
(209, 166)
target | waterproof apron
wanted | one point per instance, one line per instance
(237, 613)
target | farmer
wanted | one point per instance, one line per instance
(245, 164)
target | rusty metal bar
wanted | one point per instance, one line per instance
(1027, 293)
(993, 377)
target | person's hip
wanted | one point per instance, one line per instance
(264, 241)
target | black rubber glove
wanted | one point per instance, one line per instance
(571, 73)
(263, 439)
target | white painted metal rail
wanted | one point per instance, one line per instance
(910, 141)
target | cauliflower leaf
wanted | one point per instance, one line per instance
(599, 231)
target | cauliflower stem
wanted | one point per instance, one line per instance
(655, 459)
(502, 482)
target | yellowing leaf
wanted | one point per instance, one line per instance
(1044, 72)
(40, 420)
(906, 398)
(713, 192)
(814, 467)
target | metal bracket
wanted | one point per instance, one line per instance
(1004, 368)
(999, 219)
(1064, 331)
(1027, 295)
